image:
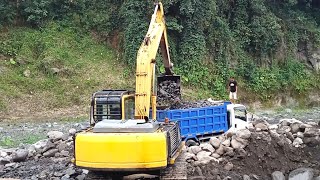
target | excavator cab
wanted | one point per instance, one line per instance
(112, 105)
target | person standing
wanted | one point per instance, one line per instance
(232, 88)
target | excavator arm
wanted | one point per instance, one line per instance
(145, 71)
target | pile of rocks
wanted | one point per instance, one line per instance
(218, 147)
(261, 144)
(168, 92)
(194, 104)
(46, 159)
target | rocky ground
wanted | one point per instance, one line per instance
(286, 149)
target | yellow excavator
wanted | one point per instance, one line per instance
(124, 136)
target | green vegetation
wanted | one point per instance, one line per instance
(58, 66)
(9, 142)
(265, 44)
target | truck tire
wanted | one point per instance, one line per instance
(191, 142)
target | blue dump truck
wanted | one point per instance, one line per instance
(199, 124)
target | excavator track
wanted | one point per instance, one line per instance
(176, 171)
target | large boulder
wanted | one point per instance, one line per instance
(295, 127)
(243, 133)
(55, 135)
(194, 149)
(226, 142)
(277, 175)
(311, 132)
(20, 155)
(262, 126)
(312, 141)
(301, 173)
(207, 147)
(236, 144)
(215, 142)
(203, 155)
(220, 150)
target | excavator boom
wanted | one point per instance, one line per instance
(145, 71)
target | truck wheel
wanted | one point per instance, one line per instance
(191, 142)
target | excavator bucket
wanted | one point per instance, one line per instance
(168, 90)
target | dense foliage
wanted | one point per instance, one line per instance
(255, 40)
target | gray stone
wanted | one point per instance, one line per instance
(4, 160)
(300, 135)
(64, 153)
(298, 141)
(65, 137)
(236, 144)
(20, 155)
(81, 177)
(243, 133)
(40, 144)
(277, 175)
(229, 151)
(72, 131)
(311, 132)
(10, 165)
(274, 135)
(226, 142)
(295, 127)
(254, 176)
(189, 156)
(62, 146)
(262, 126)
(283, 129)
(220, 150)
(262, 121)
(3, 153)
(194, 149)
(48, 146)
(56, 135)
(203, 155)
(284, 122)
(65, 177)
(228, 166)
(303, 126)
(317, 178)
(289, 136)
(70, 171)
(85, 171)
(242, 141)
(301, 173)
(215, 142)
(312, 123)
(246, 177)
(215, 155)
(50, 152)
(311, 141)
(58, 174)
(208, 147)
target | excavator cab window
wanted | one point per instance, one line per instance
(107, 104)
(129, 108)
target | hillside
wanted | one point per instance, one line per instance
(55, 54)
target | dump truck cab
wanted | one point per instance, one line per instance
(237, 117)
